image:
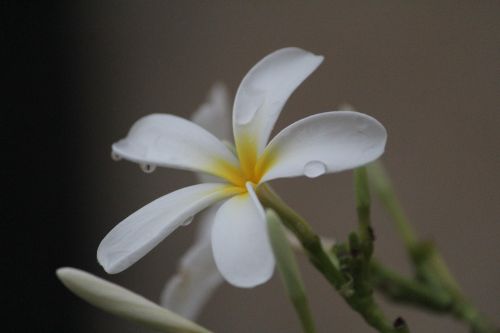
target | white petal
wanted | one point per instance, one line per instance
(204, 231)
(135, 236)
(323, 143)
(240, 244)
(188, 291)
(215, 117)
(171, 141)
(265, 89)
(124, 303)
(255, 201)
(215, 114)
(197, 278)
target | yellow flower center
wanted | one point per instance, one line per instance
(251, 168)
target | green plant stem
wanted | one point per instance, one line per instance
(478, 323)
(363, 304)
(289, 270)
(421, 253)
(372, 313)
(421, 294)
(304, 233)
(433, 276)
(363, 209)
(362, 299)
(383, 187)
(409, 291)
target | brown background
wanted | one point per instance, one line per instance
(429, 71)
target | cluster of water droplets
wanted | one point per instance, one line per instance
(145, 167)
(115, 156)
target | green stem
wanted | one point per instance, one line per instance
(477, 323)
(439, 266)
(385, 191)
(371, 313)
(430, 267)
(304, 233)
(289, 271)
(363, 304)
(417, 293)
(363, 210)
(409, 291)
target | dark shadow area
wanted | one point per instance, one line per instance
(40, 149)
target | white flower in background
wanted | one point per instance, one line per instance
(197, 277)
(322, 143)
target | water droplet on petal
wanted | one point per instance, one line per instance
(147, 168)
(362, 124)
(188, 221)
(115, 156)
(314, 169)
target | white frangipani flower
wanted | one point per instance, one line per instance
(322, 143)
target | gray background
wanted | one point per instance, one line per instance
(429, 71)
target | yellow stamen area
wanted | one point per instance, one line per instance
(265, 162)
(251, 168)
(247, 154)
(232, 190)
(229, 172)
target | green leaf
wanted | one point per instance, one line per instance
(289, 270)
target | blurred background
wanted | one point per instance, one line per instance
(80, 73)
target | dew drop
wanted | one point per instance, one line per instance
(115, 156)
(147, 168)
(314, 169)
(362, 124)
(188, 221)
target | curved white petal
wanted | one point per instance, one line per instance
(124, 303)
(323, 143)
(215, 114)
(240, 245)
(135, 236)
(171, 141)
(197, 278)
(206, 222)
(263, 92)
